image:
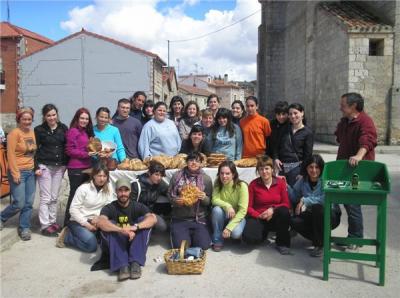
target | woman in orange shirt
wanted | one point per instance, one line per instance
(255, 130)
(21, 147)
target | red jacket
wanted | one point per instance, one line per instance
(357, 133)
(261, 198)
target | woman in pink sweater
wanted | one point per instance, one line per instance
(81, 129)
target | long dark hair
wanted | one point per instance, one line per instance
(47, 108)
(223, 113)
(315, 158)
(173, 100)
(75, 121)
(240, 103)
(101, 167)
(229, 164)
(300, 108)
(195, 128)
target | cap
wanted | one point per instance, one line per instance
(123, 182)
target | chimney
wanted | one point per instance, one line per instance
(225, 78)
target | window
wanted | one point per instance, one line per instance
(2, 80)
(376, 47)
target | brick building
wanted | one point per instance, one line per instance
(312, 52)
(196, 94)
(15, 42)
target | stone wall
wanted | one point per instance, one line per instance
(309, 56)
(371, 76)
(329, 73)
(8, 121)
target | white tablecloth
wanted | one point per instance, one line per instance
(245, 174)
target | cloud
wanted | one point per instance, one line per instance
(141, 23)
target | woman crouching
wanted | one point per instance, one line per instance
(308, 197)
(268, 208)
(230, 200)
(189, 219)
(86, 205)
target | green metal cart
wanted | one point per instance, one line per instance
(366, 184)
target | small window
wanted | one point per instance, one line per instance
(376, 47)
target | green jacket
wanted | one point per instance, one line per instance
(237, 198)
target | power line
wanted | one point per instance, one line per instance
(223, 28)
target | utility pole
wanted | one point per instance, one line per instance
(168, 55)
(178, 63)
(195, 74)
(8, 11)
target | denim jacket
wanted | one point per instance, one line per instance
(302, 189)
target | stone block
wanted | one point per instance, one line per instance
(353, 79)
(356, 65)
(361, 58)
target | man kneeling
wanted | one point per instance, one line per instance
(126, 227)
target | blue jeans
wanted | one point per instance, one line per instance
(219, 221)
(81, 238)
(355, 221)
(22, 195)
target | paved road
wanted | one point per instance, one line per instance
(38, 269)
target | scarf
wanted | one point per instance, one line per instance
(185, 177)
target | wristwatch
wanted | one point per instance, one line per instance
(137, 227)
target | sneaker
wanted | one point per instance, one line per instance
(318, 251)
(50, 232)
(123, 273)
(25, 235)
(283, 250)
(61, 237)
(217, 247)
(135, 271)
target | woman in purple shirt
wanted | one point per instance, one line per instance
(81, 129)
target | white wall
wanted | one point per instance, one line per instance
(81, 71)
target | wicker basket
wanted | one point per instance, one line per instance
(183, 266)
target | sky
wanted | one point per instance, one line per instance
(148, 24)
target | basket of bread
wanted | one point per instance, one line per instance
(96, 146)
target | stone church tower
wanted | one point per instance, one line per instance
(312, 52)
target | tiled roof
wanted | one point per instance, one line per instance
(108, 39)
(221, 84)
(10, 30)
(354, 16)
(194, 90)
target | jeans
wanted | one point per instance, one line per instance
(355, 221)
(49, 185)
(81, 238)
(22, 195)
(219, 221)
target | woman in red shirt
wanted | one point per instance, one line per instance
(268, 208)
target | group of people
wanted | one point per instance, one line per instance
(287, 194)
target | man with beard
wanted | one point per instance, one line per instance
(126, 227)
